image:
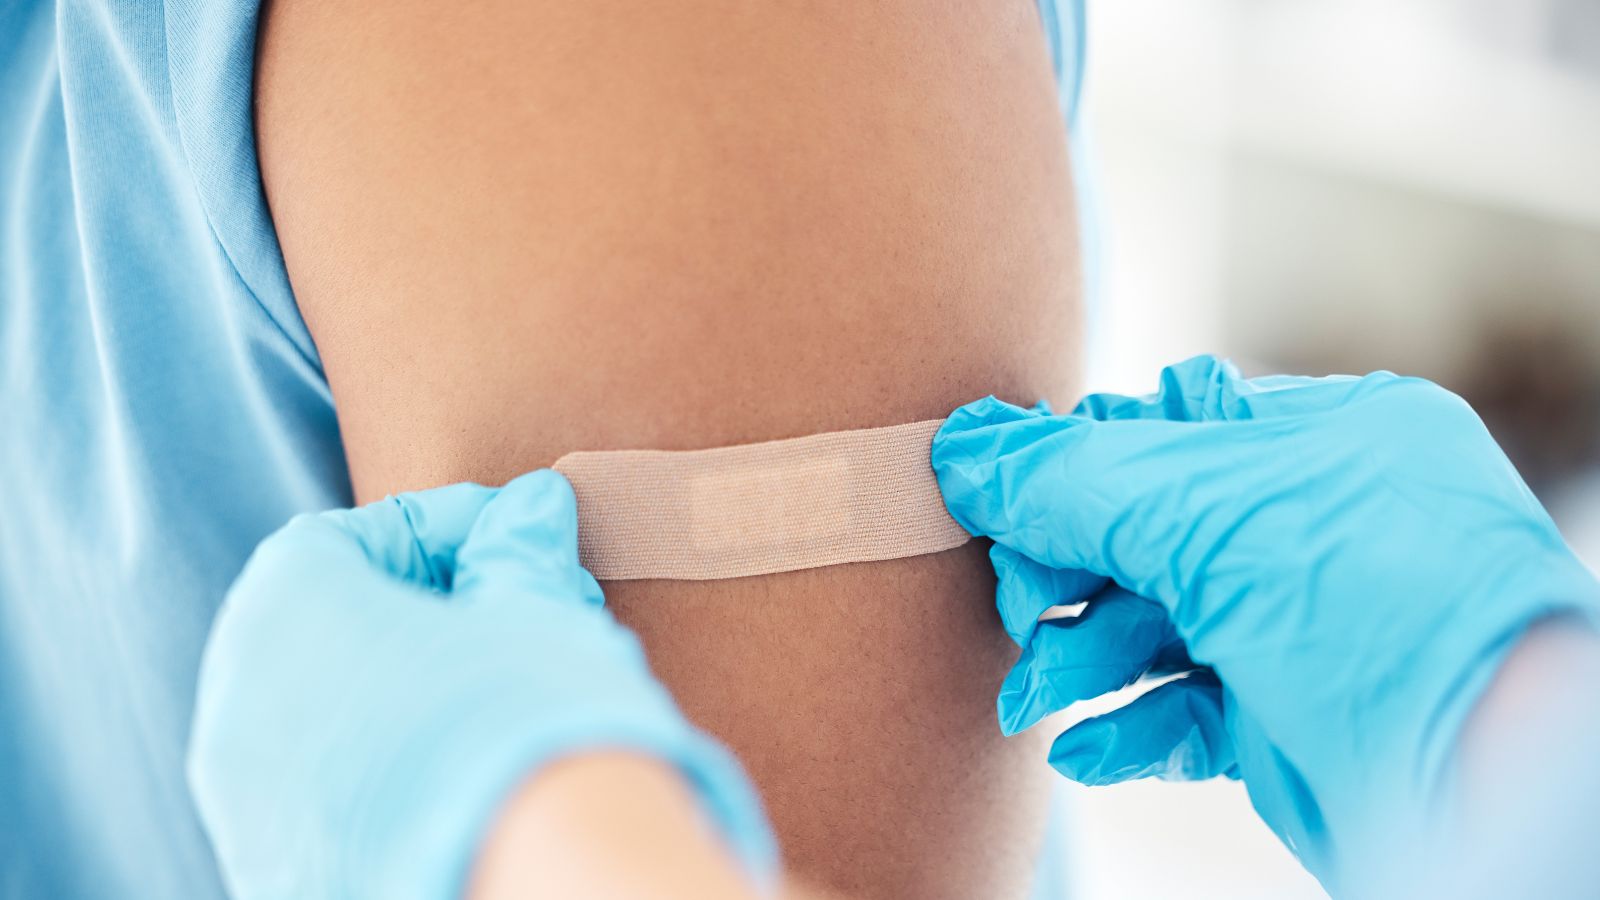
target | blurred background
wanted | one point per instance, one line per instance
(1319, 186)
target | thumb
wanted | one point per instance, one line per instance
(526, 541)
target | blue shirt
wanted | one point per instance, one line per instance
(162, 409)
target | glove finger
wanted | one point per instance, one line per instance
(1174, 732)
(526, 541)
(1145, 503)
(1206, 388)
(412, 536)
(1116, 639)
(1024, 589)
(1190, 391)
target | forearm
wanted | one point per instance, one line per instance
(1545, 688)
(1528, 784)
(616, 825)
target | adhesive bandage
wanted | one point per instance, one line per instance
(753, 509)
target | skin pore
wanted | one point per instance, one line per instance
(522, 228)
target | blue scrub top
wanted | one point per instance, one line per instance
(162, 409)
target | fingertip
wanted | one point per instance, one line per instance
(450, 507)
(979, 413)
(1097, 752)
(963, 455)
(539, 503)
(527, 533)
(1193, 727)
(1189, 391)
(1079, 754)
(1197, 388)
(1103, 406)
(1024, 699)
(1200, 368)
(545, 488)
(1071, 659)
(438, 521)
(1079, 658)
(1024, 589)
(1005, 705)
(589, 590)
(412, 536)
(1174, 732)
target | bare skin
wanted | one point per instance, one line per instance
(614, 825)
(606, 825)
(519, 229)
(622, 826)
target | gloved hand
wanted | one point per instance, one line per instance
(1346, 561)
(379, 680)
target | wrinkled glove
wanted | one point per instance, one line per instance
(380, 680)
(1340, 563)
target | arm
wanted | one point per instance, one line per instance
(605, 825)
(1528, 783)
(608, 825)
(540, 227)
(1545, 687)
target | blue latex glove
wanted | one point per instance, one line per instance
(379, 680)
(1347, 560)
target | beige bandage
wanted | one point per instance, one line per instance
(820, 500)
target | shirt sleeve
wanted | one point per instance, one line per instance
(1063, 22)
(211, 48)
(211, 59)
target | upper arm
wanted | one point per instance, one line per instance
(521, 228)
